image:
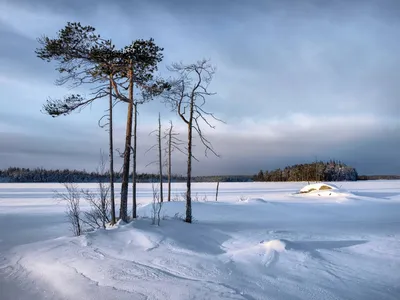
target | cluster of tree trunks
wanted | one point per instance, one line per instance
(128, 75)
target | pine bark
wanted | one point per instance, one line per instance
(134, 211)
(111, 155)
(123, 213)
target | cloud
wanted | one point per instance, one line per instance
(301, 138)
(36, 18)
(245, 148)
(295, 80)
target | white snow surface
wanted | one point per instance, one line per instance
(259, 241)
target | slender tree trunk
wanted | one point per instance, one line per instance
(103, 196)
(111, 154)
(78, 224)
(134, 212)
(169, 161)
(216, 194)
(123, 213)
(160, 158)
(189, 168)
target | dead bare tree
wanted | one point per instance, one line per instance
(109, 117)
(136, 102)
(159, 156)
(169, 160)
(187, 97)
(173, 143)
(160, 164)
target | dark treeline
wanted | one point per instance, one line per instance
(330, 171)
(317, 171)
(42, 175)
(223, 178)
(379, 177)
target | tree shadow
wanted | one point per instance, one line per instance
(312, 247)
(379, 195)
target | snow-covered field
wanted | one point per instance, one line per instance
(259, 241)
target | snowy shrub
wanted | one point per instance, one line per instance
(100, 201)
(72, 198)
(242, 198)
(179, 216)
(100, 207)
(196, 197)
(175, 198)
(156, 206)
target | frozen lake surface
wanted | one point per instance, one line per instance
(259, 241)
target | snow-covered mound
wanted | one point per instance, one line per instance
(319, 187)
(325, 191)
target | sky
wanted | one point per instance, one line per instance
(295, 81)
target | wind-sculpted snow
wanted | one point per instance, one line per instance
(264, 244)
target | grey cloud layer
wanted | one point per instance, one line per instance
(239, 154)
(275, 59)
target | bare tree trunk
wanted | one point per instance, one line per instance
(160, 158)
(216, 194)
(103, 199)
(191, 86)
(123, 213)
(134, 211)
(189, 167)
(78, 226)
(169, 161)
(111, 154)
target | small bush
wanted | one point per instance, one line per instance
(72, 197)
(156, 206)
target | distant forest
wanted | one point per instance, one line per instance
(42, 175)
(329, 171)
(316, 171)
(378, 177)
